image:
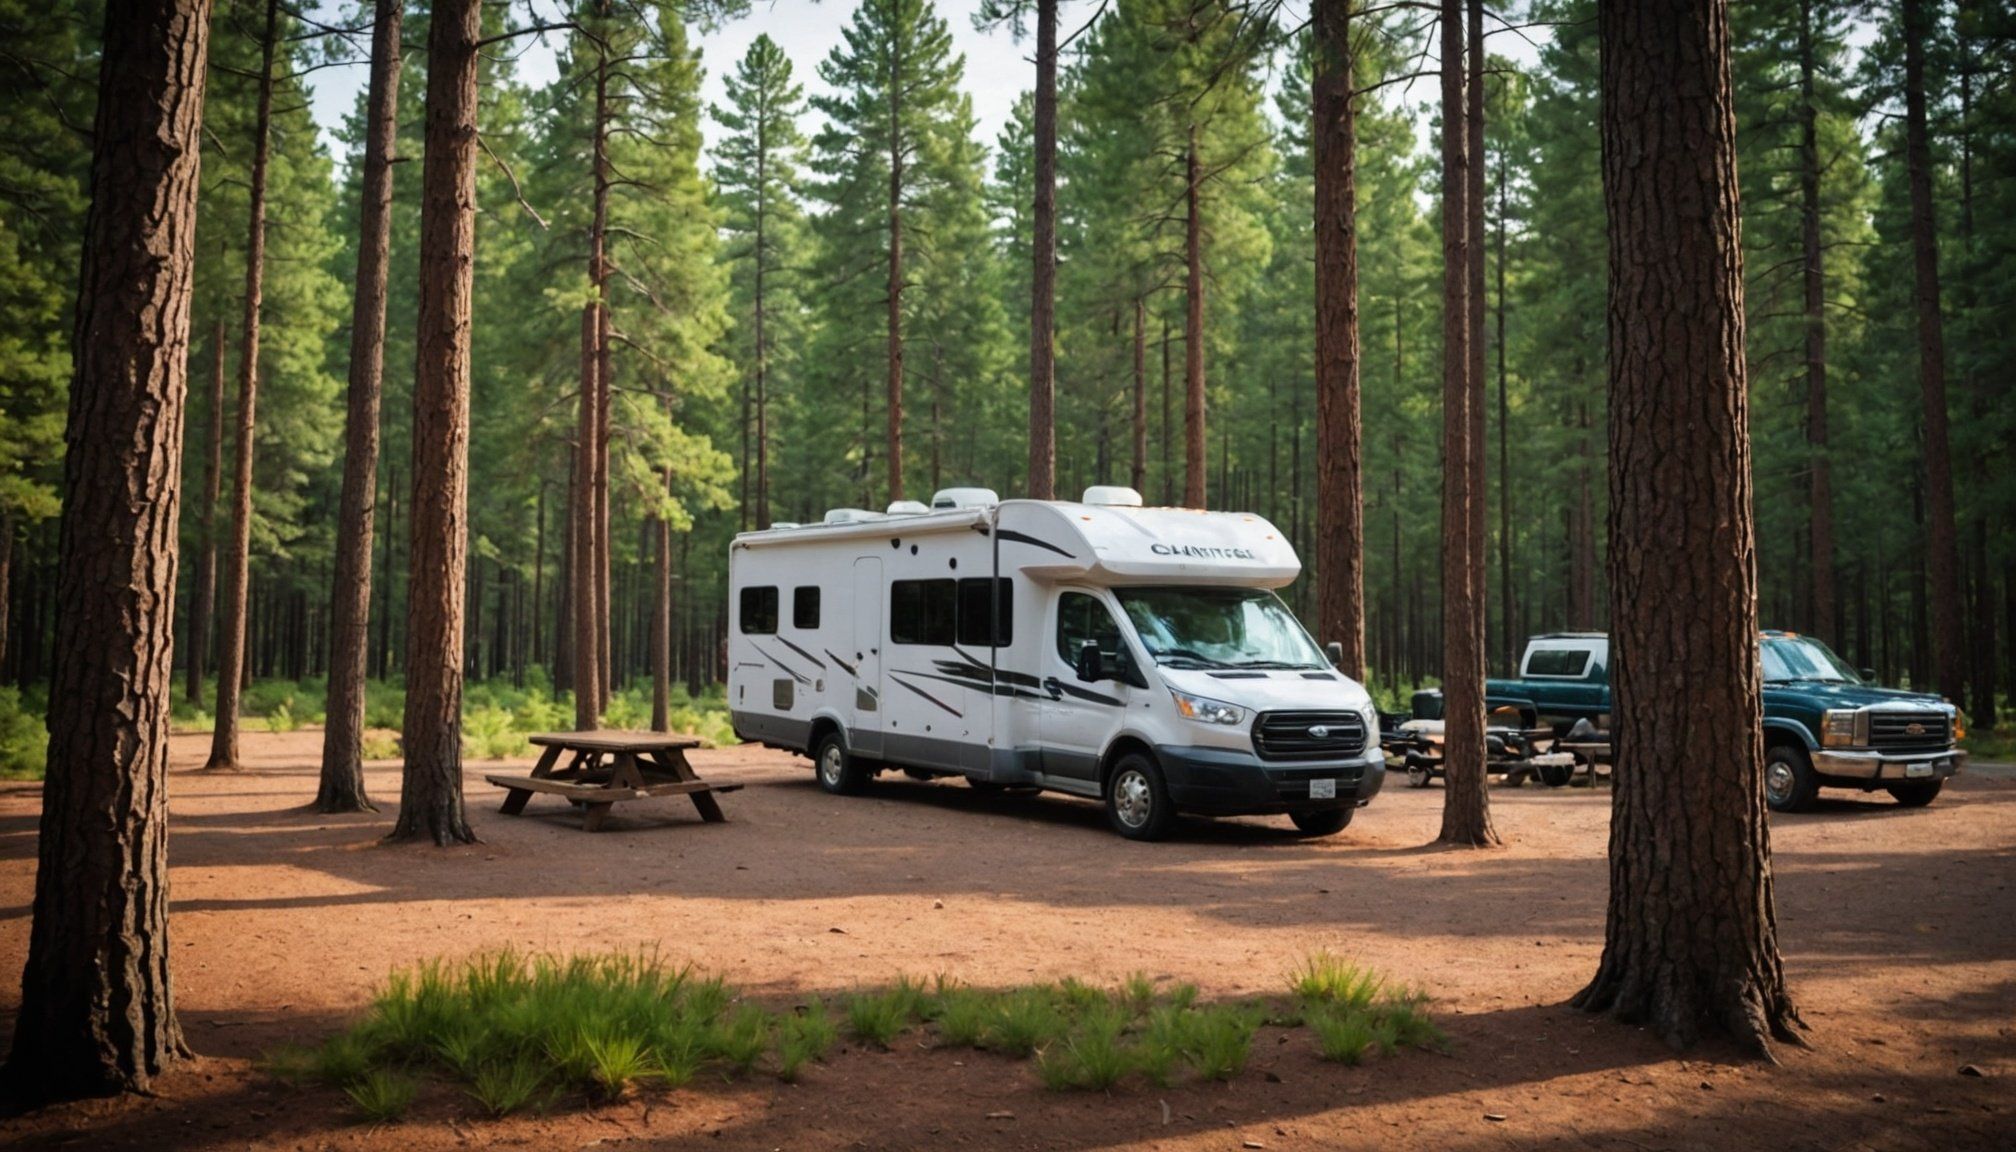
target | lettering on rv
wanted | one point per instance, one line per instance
(1197, 552)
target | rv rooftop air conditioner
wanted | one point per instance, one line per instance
(908, 508)
(851, 516)
(1112, 496)
(776, 524)
(964, 498)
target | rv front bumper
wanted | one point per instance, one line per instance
(1879, 769)
(1229, 782)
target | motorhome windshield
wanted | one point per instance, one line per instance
(1790, 658)
(1219, 628)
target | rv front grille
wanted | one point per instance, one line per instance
(1308, 735)
(1910, 731)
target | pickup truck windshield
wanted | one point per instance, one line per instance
(1219, 628)
(1789, 658)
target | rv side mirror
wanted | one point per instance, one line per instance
(1869, 674)
(1090, 666)
(1334, 651)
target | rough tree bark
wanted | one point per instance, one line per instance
(1340, 502)
(203, 604)
(1466, 803)
(661, 621)
(1473, 206)
(895, 338)
(1690, 948)
(1820, 479)
(1507, 599)
(1949, 651)
(342, 787)
(430, 802)
(1138, 474)
(97, 1009)
(1043, 278)
(1193, 331)
(238, 560)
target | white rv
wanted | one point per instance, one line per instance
(1133, 655)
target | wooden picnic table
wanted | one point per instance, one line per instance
(605, 767)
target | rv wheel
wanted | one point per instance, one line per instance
(1137, 801)
(839, 773)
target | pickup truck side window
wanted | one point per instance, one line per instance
(1559, 663)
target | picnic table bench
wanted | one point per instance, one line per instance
(605, 767)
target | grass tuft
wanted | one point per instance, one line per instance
(1332, 982)
(383, 1094)
(505, 1086)
(804, 1036)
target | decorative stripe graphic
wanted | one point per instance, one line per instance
(800, 651)
(924, 694)
(794, 673)
(1024, 538)
(842, 663)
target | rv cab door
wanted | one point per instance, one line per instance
(865, 654)
(1077, 720)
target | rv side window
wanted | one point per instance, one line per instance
(923, 611)
(805, 607)
(1559, 663)
(1081, 618)
(976, 597)
(759, 611)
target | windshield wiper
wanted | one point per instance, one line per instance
(1288, 665)
(1197, 658)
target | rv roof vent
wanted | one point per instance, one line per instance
(965, 498)
(777, 524)
(1113, 496)
(851, 516)
(908, 508)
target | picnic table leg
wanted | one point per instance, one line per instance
(674, 761)
(597, 813)
(515, 798)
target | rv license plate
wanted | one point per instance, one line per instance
(1322, 789)
(1924, 769)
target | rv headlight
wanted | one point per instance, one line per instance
(1205, 710)
(1837, 727)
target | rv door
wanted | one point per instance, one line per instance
(1077, 719)
(865, 732)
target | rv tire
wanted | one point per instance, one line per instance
(838, 770)
(1137, 799)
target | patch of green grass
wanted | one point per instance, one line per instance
(516, 1031)
(491, 734)
(1332, 982)
(383, 1094)
(877, 1017)
(804, 1036)
(24, 737)
(505, 1086)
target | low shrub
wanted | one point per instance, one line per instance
(24, 737)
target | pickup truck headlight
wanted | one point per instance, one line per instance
(1838, 727)
(1205, 710)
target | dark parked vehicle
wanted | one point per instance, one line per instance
(1825, 725)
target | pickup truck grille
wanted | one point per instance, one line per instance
(1910, 731)
(1293, 735)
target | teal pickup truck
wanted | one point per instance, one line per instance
(1825, 725)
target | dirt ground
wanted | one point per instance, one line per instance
(1898, 928)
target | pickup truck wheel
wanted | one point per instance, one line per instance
(1556, 775)
(1917, 793)
(1325, 823)
(1137, 800)
(1789, 783)
(838, 770)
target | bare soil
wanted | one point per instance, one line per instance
(1898, 927)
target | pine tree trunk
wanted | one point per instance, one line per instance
(385, 570)
(1466, 803)
(430, 804)
(231, 656)
(1942, 541)
(1138, 472)
(895, 337)
(1043, 278)
(661, 623)
(581, 523)
(1820, 481)
(1168, 433)
(1690, 947)
(1194, 464)
(203, 605)
(1507, 600)
(342, 787)
(1479, 502)
(1340, 503)
(7, 528)
(97, 1009)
